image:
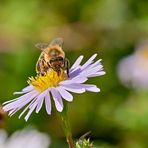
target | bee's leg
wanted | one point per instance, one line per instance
(42, 71)
(58, 72)
(66, 66)
(38, 68)
(41, 67)
(48, 66)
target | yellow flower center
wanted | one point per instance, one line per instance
(50, 79)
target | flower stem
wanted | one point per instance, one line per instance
(66, 126)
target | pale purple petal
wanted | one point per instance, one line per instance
(65, 94)
(91, 71)
(48, 103)
(75, 72)
(74, 88)
(30, 112)
(19, 93)
(77, 62)
(57, 99)
(80, 88)
(13, 111)
(97, 63)
(9, 101)
(95, 68)
(28, 88)
(21, 101)
(98, 74)
(89, 61)
(40, 100)
(89, 87)
(26, 108)
(74, 80)
(25, 90)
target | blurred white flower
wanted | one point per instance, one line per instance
(27, 138)
(133, 69)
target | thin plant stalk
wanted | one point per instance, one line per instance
(66, 126)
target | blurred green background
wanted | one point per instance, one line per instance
(117, 117)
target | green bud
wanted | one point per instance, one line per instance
(83, 143)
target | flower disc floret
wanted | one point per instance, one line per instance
(50, 79)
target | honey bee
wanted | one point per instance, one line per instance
(52, 57)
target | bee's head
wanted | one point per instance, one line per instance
(55, 51)
(56, 63)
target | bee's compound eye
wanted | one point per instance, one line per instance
(52, 60)
(59, 58)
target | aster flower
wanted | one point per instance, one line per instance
(133, 69)
(43, 88)
(20, 139)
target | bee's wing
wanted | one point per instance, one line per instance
(57, 41)
(41, 45)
